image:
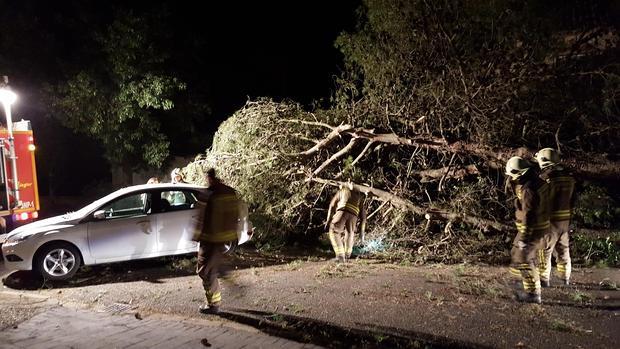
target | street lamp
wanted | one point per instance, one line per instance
(7, 98)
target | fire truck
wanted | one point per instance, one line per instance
(19, 194)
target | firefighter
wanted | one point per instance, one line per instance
(561, 188)
(346, 206)
(532, 221)
(176, 176)
(216, 225)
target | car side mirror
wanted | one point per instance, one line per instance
(99, 214)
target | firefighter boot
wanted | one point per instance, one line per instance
(527, 297)
(212, 309)
(545, 283)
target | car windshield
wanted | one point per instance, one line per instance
(92, 206)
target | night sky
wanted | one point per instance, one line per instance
(225, 53)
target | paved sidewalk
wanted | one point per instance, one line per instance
(62, 327)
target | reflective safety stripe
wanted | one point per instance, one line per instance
(222, 236)
(514, 272)
(337, 248)
(214, 298)
(352, 208)
(560, 215)
(542, 264)
(522, 228)
(222, 198)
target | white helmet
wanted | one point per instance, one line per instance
(516, 167)
(176, 172)
(547, 157)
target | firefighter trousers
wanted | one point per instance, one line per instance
(556, 240)
(210, 256)
(342, 233)
(523, 259)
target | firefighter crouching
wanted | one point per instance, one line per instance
(347, 206)
(561, 188)
(216, 225)
(532, 221)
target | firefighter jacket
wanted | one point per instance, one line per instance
(218, 219)
(531, 205)
(561, 188)
(350, 201)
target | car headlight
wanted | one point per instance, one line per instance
(14, 240)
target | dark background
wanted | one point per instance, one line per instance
(226, 53)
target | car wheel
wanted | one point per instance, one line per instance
(58, 261)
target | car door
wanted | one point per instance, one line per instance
(126, 231)
(176, 213)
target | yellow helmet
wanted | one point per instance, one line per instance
(547, 157)
(516, 167)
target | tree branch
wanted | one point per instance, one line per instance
(429, 213)
(452, 172)
(337, 155)
(359, 157)
(332, 136)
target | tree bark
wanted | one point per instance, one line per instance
(458, 172)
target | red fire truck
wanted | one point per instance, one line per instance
(21, 202)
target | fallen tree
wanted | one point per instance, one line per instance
(424, 120)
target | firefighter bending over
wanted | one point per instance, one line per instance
(346, 206)
(561, 188)
(215, 226)
(532, 221)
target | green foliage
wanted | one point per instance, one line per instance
(254, 152)
(595, 208)
(116, 99)
(604, 251)
(478, 70)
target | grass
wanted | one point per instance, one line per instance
(565, 326)
(187, 264)
(277, 318)
(294, 265)
(459, 270)
(338, 270)
(477, 287)
(434, 298)
(609, 285)
(561, 326)
(295, 308)
(580, 297)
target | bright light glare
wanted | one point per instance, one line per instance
(7, 97)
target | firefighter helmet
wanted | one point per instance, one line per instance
(547, 157)
(176, 173)
(516, 167)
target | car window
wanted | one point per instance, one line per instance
(178, 199)
(127, 206)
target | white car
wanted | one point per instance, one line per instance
(137, 222)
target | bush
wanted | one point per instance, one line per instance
(595, 208)
(604, 251)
